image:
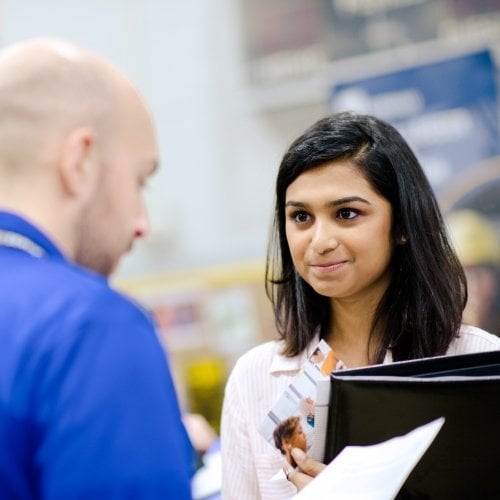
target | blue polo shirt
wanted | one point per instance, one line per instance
(87, 404)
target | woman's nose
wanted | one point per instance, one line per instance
(324, 238)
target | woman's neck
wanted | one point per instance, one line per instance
(350, 332)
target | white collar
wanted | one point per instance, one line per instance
(281, 363)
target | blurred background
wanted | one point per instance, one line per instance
(230, 84)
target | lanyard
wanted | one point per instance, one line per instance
(16, 240)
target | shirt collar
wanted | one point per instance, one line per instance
(17, 224)
(388, 357)
(281, 363)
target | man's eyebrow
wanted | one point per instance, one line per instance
(334, 203)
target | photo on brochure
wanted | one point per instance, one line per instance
(290, 423)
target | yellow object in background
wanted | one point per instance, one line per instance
(205, 379)
(474, 238)
(477, 243)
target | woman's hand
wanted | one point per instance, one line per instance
(307, 469)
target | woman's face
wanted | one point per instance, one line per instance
(338, 230)
(298, 439)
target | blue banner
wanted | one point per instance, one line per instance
(446, 110)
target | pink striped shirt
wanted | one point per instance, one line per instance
(258, 379)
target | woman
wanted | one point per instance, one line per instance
(359, 257)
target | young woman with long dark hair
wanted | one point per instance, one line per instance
(360, 257)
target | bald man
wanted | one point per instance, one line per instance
(87, 404)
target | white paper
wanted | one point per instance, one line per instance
(207, 480)
(372, 472)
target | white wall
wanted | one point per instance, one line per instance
(211, 202)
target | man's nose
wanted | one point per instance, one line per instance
(142, 224)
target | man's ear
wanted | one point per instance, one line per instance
(76, 161)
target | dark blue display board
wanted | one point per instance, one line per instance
(447, 110)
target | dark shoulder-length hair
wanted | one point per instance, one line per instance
(421, 311)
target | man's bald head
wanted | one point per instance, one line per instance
(49, 87)
(77, 144)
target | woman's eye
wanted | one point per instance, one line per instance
(347, 213)
(300, 217)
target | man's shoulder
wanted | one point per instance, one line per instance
(82, 283)
(63, 297)
(98, 300)
(97, 287)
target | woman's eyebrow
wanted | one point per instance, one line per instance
(292, 203)
(348, 199)
(334, 203)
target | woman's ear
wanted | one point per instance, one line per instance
(76, 161)
(401, 240)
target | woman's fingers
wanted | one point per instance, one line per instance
(306, 471)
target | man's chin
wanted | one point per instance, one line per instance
(111, 268)
(105, 268)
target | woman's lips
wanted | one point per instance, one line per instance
(329, 266)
